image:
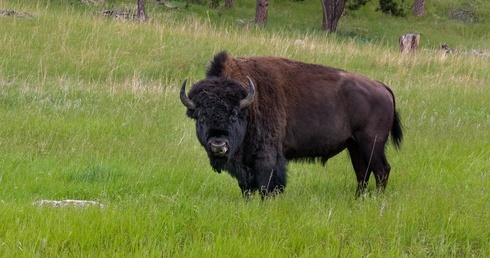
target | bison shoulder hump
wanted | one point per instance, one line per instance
(216, 66)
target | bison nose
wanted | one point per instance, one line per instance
(219, 147)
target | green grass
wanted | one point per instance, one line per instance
(89, 109)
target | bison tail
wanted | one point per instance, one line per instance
(397, 131)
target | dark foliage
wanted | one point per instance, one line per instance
(356, 4)
(386, 6)
(214, 4)
(392, 7)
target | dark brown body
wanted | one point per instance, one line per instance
(303, 112)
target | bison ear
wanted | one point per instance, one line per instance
(247, 101)
(185, 100)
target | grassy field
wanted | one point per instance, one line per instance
(89, 110)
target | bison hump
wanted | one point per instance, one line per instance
(216, 66)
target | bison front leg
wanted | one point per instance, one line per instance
(271, 175)
(246, 183)
(247, 193)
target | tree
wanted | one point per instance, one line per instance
(141, 10)
(261, 12)
(228, 4)
(332, 11)
(419, 8)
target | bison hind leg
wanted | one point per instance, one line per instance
(379, 165)
(368, 156)
(382, 173)
(360, 165)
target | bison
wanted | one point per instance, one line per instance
(255, 114)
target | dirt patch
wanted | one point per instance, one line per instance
(119, 14)
(15, 14)
(65, 203)
(93, 2)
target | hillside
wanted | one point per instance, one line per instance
(463, 25)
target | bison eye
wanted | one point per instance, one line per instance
(199, 117)
(234, 116)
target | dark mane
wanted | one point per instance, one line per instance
(216, 66)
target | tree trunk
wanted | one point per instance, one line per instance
(228, 4)
(419, 8)
(332, 11)
(261, 12)
(141, 10)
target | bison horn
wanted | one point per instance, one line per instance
(185, 100)
(247, 101)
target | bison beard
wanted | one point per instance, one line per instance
(288, 110)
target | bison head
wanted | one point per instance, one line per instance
(220, 108)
